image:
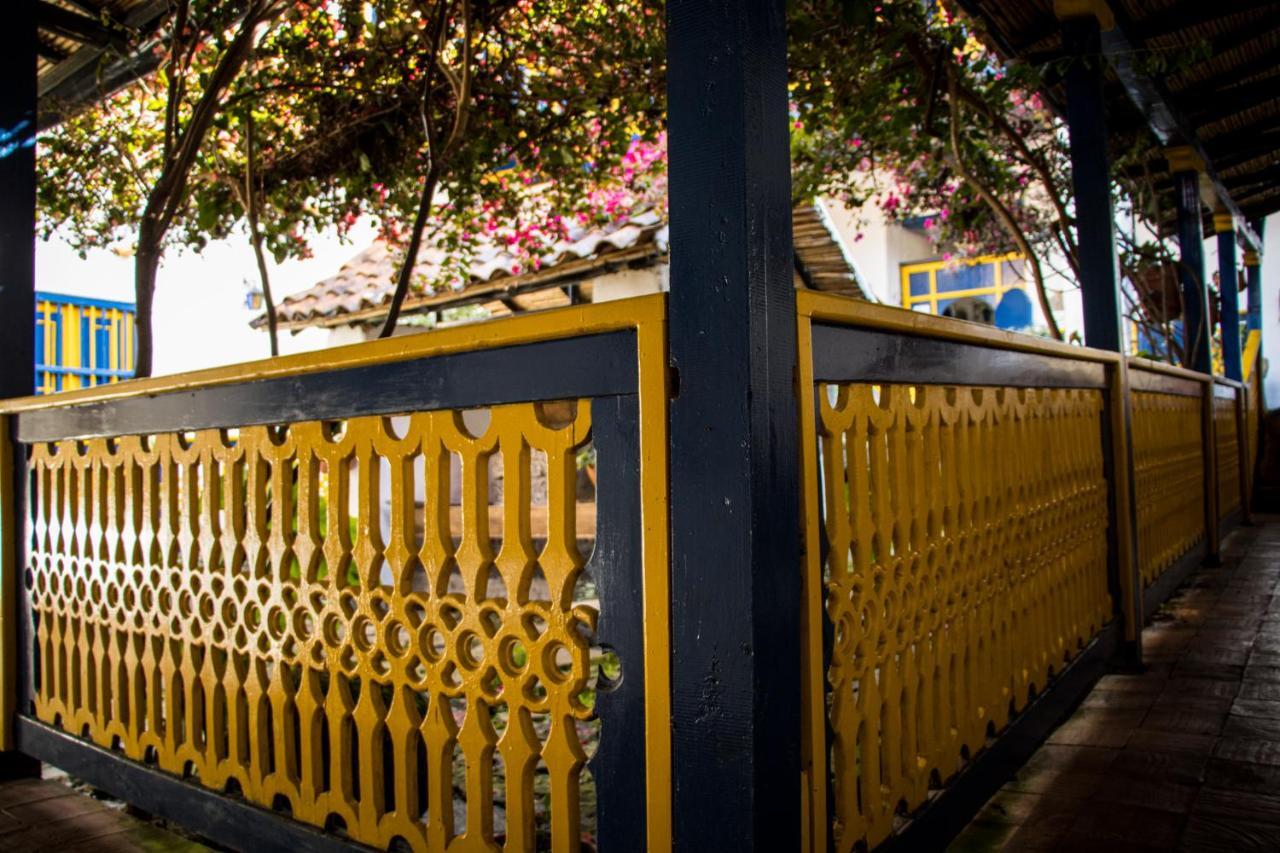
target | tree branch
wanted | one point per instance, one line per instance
(439, 157)
(997, 207)
(255, 233)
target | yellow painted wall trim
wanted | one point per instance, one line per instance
(996, 288)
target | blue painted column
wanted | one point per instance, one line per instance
(17, 325)
(1091, 182)
(734, 456)
(1253, 272)
(17, 199)
(1228, 292)
(1100, 292)
(1196, 331)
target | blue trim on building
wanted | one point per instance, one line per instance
(84, 301)
(90, 338)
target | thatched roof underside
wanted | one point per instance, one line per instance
(1222, 82)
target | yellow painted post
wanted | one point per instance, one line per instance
(89, 347)
(813, 710)
(70, 346)
(113, 355)
(1125, 507)
(128, 342)
(1210, 443)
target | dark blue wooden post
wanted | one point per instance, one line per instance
(17, 311)
(1253, 269)
(1091, 181)
(1196, 331)
(1228, 292)
(17, 199)
(1100, 291)
(735, 537)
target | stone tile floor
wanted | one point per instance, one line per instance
(1184, 756)
(46, 815)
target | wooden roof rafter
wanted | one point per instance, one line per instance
(99, 31)
(1220, 103)
(89, 49)
(1191, 13)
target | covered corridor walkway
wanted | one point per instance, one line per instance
(1183, 756)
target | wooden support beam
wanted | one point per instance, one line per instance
(81, 28)
(735, 537)
(90, 73)
(50, 51)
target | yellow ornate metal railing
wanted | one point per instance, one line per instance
(957, 546)
(1226, 423)
(416, 592)
(392, 627)
(1168, 460)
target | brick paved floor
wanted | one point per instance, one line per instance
(42, 816)
(1185, 756)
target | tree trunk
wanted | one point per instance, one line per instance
(268, 300)
(181, 149)
(146, 266)
(255, 235)
(411, 254)
(1002, 213)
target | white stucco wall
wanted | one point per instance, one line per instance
(200, 314)
(1270, 308)
(625, 284)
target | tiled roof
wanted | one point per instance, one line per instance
(361, 290)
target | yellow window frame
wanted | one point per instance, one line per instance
(931, 267)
